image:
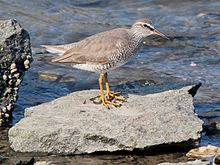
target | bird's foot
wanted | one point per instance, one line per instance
(107, 102)
(114, 95)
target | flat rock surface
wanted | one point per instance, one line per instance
(73, 124)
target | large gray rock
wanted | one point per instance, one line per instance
(74, 124)
(15, 57)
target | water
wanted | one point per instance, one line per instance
(192, 55)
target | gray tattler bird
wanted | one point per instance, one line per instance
(105, 51)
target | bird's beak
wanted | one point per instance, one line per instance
(157, 32)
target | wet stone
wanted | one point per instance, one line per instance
(195, 162)
(47, 76)
(82, 127)
(14, 51)
(204, 151)
(212, 128)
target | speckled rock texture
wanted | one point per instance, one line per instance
(73, 124)
(15, 57)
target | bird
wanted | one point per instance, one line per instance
(106, 51)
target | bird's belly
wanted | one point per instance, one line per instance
(87, 67)
(101, 68)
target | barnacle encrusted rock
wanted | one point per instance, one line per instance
(15, 57)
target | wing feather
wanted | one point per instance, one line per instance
(96, 49)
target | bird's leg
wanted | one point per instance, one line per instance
(105, 101)
(102, 97)
(111, 95)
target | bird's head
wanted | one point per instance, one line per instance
(144, 28)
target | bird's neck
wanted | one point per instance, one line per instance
(137, 37)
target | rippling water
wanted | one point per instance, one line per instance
(192, 55)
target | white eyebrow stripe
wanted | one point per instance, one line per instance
(150, 26)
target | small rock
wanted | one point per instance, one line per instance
(204, 152)
(195, 162)
(30, 162)
(48, 76)
(67, 79)
(44, 163)
(216, 160)
(212, 128)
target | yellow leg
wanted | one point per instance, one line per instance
(102, 97)
(105, 101)
(111, 95)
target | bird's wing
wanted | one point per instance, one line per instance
(96, 49)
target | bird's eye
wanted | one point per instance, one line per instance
(149, 27)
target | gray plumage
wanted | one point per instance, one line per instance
(106, 50)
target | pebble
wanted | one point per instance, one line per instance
(216, 160)
(43, 163)
(48, 76)
(204, 151)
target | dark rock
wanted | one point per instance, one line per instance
(30, 162)
(194, 89)
(216, 160)
(15, 58)
(212, 128)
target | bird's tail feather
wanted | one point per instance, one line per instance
(54, 49)
(58, 49)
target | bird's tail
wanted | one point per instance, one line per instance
(58, 49)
